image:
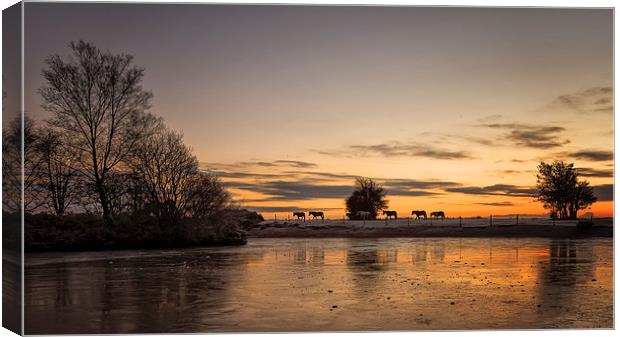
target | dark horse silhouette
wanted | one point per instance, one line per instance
(419, 214)
(300, 215)
(317, 215)
(390, 214)
(438, 214)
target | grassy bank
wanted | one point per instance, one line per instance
(596, 228)
(80, 232)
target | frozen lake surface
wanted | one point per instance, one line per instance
(325, 285)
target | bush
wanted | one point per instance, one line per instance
(44, 232)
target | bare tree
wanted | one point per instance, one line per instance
(12, 170)
(98, 102)
(207, 196)
(166, 167)
(59, 175)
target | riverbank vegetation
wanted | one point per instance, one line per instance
(103, 172)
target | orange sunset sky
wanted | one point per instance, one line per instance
(449, 108)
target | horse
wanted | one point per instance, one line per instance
(300, 215)
(316, 215)
(390, 214)
(438, 214)
(363, 215)
(419, 214)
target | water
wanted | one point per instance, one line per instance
(325, 285)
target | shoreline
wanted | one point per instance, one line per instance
(436, 231)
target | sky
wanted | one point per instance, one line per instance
(449, 108)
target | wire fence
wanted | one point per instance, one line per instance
(464, 222)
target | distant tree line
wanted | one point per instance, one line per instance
(103, 153)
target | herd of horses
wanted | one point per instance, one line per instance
(365, 215)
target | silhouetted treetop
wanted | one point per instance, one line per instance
(560, 190)
(368, 196)
(98, 102)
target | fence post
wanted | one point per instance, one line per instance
(491, 220)
(517, 219)
(460, 222)
(275, 217)
(408, 220)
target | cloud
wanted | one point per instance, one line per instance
(481, 141)
(597, 173)
(593, 155)
(604, 192)
(398, 149)
(411, 183)
(497, 189)
(509, 171)
(489, 118)
(305, 190)
(295, 163)
(249, 164)
(595, 99)
(502, 203)
(280, 209)
(280, 163)
(317, 175)
(532, 136)
(240, 175)
(293, 190)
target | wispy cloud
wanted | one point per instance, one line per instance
(305, 190)
(498, 204)
(251, 164)
(595, 173)
(293, 190)
(411, 183)
(532, 136)
(398, 149)
(294, 163)
(593, 155)
(280, 209)
(497, 189)
(594, 99)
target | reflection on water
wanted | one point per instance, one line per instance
(325, 285)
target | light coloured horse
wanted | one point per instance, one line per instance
(364, 215)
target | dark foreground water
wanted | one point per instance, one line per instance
(326, 285)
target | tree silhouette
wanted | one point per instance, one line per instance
(207, 197)
(98, 102)
(34, 193)
(165, 166)
(367, 197)
(59, 177)
(560, 190)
